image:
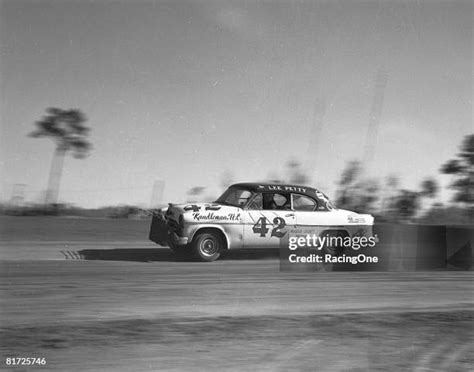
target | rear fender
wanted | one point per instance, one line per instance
(224, 231)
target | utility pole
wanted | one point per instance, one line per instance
(157, 193)
(374, 119)
(312, 153)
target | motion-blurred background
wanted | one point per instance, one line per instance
(111, 109)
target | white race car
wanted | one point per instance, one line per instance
(253, 215)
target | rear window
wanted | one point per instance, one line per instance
(304, 203)
(235, 196)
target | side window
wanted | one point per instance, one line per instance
(239, 197)
(244, 197)
(304, 203)
(256, 203)
(276, 201)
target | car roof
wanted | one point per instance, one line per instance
(299, 189)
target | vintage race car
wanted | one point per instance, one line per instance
(253, 215)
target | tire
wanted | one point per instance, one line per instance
(207, 246)
(331, 249)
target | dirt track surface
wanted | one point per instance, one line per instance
(73, 291)
(233, 315)
(92, 295)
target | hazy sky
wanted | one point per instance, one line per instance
(185, 90)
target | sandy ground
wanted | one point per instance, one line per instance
(131, 307)
(233, 315)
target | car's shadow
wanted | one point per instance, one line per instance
(166, 255)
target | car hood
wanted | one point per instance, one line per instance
(356, 218)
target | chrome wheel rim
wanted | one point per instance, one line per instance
(209, 247)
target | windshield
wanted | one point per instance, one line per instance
(236, 196)
(325, 200)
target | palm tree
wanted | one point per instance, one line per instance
(67, 129)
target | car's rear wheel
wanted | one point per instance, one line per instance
(207, 246)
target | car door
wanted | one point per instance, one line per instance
(267, 219)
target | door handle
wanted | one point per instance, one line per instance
(290, 215)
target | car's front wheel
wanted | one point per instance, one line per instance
(207, 246)
(334, 244)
